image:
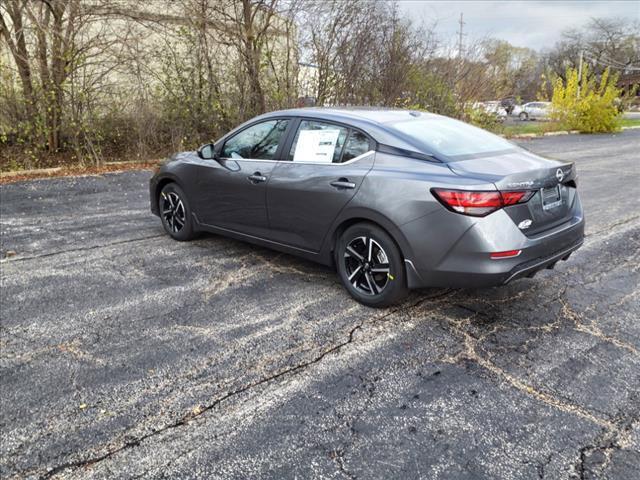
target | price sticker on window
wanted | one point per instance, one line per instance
(317, 146)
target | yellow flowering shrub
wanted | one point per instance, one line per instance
(586, 104)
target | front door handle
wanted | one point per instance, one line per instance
(343, 183)
(257, 177)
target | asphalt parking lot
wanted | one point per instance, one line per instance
(125, 354)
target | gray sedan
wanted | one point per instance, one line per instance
(394, 199)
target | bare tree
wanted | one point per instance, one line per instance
(605, 43)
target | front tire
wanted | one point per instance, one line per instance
(175, 213)
(523, 116)
(371, 266)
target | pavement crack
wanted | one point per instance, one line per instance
(590, 329)
(611, 226)
(593, 459)
(193, 414)
(469, 352)
(79, 249)
(337, 456)
(541, 466)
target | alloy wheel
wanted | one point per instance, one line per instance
(367, 265)
(173, 211)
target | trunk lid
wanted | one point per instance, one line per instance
(552, 181)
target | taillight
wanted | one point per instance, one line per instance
(520, 196)
(507, 254)
(479, 204)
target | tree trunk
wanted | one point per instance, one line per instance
(20, 55)
(252, 58)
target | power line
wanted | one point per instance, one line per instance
(609, 63)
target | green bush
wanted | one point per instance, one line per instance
(585, 104)
(483, 119)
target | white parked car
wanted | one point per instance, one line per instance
(493, 107)
(516, 111)
(535, 111)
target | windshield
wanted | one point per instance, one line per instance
(450, 138)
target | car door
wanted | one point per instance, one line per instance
(543, 112)
(231, 192)
(323, 168)
(536, 111)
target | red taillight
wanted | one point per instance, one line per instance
(479, 204)
(511, 198)
(507, 254)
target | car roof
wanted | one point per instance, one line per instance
(376, 122)
(368, 114)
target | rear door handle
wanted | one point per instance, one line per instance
(343, 183)
(257, 177)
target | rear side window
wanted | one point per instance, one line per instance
(356, 145)
(259, 141)
(318, 142)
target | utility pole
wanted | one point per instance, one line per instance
(580, 72)
(460, 49)
(460, 35)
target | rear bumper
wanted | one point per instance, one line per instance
(468, 263)
(529, 269)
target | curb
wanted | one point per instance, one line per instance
(49, 171)
(559, 132)
(37, 171)
(132, 162)
(545, 134)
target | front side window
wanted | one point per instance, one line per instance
(259, 142)
(318, 142)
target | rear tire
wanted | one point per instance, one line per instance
(175, 213)
(371, 266)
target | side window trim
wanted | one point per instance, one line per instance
(291, 135)
(344, 145)
(279, 155)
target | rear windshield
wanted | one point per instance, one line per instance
(451, 138)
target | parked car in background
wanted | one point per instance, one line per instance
(516, 111)
(394, 199)
(535, 111)
(494, 108)
(509, 104)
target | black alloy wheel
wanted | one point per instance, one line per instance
(370, 265)
(367, 265)
(175, 212)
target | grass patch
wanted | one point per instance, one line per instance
(521, 128)
(630, 122)
(538, 128)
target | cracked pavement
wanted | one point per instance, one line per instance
(124, 354)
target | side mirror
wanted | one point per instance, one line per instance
(206, 152)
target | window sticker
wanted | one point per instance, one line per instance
(316, 146)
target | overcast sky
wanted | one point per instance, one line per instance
(533, 24)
